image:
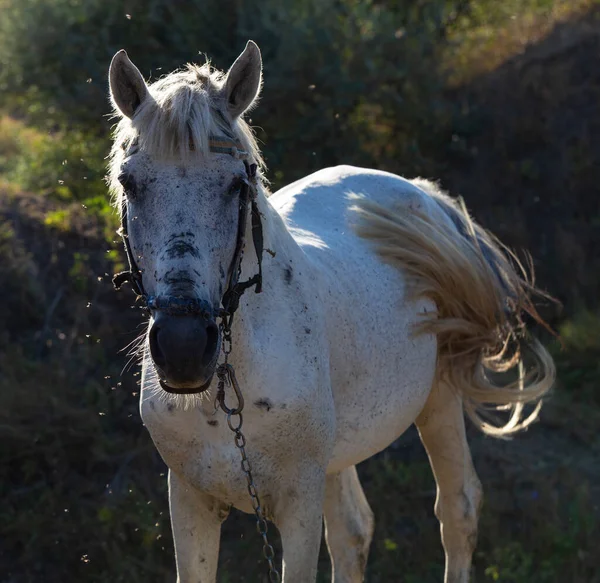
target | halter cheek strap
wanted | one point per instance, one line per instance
(182, 306)
(236, 288)
(133, 275)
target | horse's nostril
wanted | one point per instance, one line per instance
(183, 348)
(155, 350)
(212, 340)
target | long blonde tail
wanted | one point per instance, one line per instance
(481, 292)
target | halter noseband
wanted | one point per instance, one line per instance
(184, 306)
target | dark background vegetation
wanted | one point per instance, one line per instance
(498, 100)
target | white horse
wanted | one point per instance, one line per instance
(382, 305)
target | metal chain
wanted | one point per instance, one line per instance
(226, 376)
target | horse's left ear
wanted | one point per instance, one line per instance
(243, 80)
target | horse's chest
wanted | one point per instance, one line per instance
(196, 446)
(199, 447)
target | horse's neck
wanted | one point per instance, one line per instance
(278, 232)
(278, 243)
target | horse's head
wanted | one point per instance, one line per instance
(177, 173)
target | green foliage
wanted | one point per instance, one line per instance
(578, 358)
(320, 72)
(582, 334)
(490, 33)
(22, 295)
(516, 564)
(73, 447)
(71, 167)
(71, 450)
(560, 551)
(68, 165)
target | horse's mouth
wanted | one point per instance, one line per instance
(185, 390)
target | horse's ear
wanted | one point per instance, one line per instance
(127, 86)
(243, 80)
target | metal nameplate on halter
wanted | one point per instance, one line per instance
(219, 145)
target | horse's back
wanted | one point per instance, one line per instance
(319, 202)
(381, 373)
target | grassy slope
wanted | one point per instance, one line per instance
(526, 149)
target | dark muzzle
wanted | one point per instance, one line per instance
(184, 350)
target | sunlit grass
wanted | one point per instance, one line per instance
(493, 32)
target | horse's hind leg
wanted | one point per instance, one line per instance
(442, 430)
(348, 526)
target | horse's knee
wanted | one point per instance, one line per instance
(470, 507)
(363, 531)
(458, 514)
(360, 534)
(369, 525)
(349, 531)
(349, 543)
(358, 527)
(366, 537)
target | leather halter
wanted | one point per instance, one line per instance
(184, 306)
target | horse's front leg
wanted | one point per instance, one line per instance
(299, 518)
(196, 521)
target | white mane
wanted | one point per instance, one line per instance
(183, 110)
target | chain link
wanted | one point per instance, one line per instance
(226, 333)
(235, 420)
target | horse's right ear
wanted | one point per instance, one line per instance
(127, 86)
(243, 81)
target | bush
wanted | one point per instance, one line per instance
(578, 358)
(21, 305)
(66, 164)
(361, 74)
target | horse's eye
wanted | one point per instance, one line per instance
(235, 187)
(128, 183)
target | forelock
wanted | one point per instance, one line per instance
(183, 110)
